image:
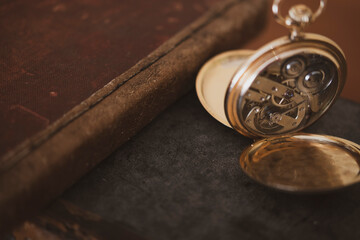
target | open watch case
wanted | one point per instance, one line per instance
(273, 93)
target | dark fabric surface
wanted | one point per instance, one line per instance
(180, 179)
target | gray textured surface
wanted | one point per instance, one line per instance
(180, 179)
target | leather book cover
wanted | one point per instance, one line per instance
(79, 78)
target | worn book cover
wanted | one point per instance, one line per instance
(79, 78)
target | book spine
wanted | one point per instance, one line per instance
(45, 166)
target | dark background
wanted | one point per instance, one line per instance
(339, 22)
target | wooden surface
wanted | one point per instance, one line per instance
(339, 22)
(43, 167)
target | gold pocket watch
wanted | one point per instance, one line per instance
(273, 93)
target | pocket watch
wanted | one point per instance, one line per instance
(273, 93)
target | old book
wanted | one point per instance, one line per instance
(78, 79)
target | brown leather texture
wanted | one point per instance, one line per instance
(55, 54)
(44, 165)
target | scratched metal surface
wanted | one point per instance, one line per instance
(55, 54)
(180, 179)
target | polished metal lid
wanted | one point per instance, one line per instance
(303, 162)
